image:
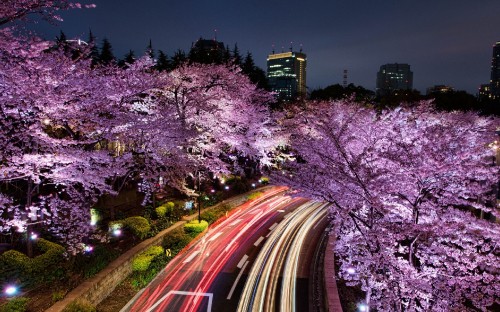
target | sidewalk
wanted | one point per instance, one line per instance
(331, 290)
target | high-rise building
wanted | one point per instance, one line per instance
(286, 74)
(207, 51)
(484, 92)
(392, 77)
(495, 73)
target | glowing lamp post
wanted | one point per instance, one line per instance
(10, 290)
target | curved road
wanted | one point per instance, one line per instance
(210, 275)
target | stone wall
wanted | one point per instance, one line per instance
(98, 287)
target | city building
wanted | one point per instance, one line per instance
(484, 92)
(207, 51)
(495, 72)
(286, 74)
(393, 77)
(439, 89)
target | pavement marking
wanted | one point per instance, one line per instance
(215, 236)
(271, 229)
(280, 210)
(185, 293)
(242, 261)
(257, 243)
(236, 281)
(191, 257)
(228, 247)
(235, 222)
(273, 226)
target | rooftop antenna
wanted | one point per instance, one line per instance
(282, 49)
(291, 46)
(345, 79)
(301, 48)
(215, 34)
(273, 47)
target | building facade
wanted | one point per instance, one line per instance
(392, 77)
(286, 74)
(439, 89)
(495, 73)
(207, 51)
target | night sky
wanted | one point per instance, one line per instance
(444, 41)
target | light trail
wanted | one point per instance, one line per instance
(194, 269)
(280, 253)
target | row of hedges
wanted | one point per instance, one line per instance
(40, 268)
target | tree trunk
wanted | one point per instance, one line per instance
(29, 243)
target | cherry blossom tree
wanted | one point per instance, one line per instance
(59, 111)
(222, 116)
(12, 10)
(55, 111)
(404, 184)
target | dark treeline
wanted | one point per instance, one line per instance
(445, 101)
(102, 54)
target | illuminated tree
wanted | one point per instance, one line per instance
(404, 185)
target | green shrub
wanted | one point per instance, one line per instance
(80, 306)
(58, 295)
(18, 304)
(142, 261)
(176, 241)
(194, 227)
(139, 279)
(161, 211)
(139, 226)
(53, 253)
(254, 195)
(213, 214)
(15, 262)
(264, 180)
(41, 267)
(100, 257)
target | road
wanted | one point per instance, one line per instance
(212, 274)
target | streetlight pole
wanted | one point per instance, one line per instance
(199, 200)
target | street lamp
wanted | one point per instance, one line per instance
(10, 290)
(198, 198)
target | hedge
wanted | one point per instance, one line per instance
(194, 227)
(142, 261)
(18, 304)
(139, 226)
(38, 267)
(176, 241)
(161, 211)
(254, 195)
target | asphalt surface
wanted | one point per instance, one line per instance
(258, 259)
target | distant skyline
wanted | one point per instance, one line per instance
(444, 41)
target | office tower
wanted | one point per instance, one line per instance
(207, 51)
(495, 73)
(286, 74)
(392, 77)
